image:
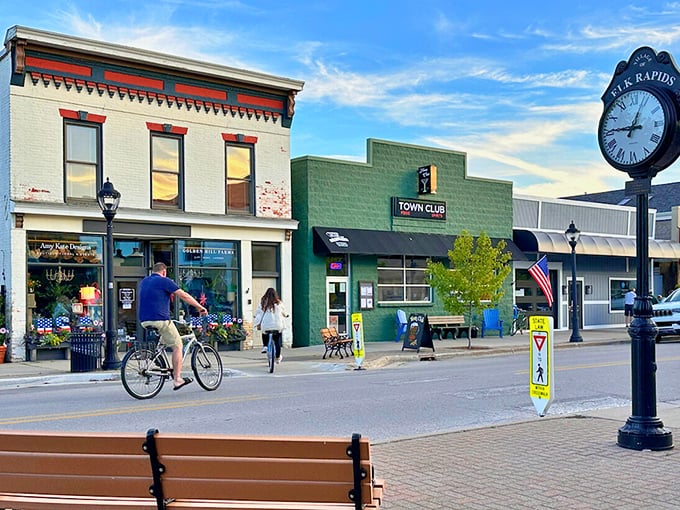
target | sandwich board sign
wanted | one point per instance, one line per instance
(541, 386)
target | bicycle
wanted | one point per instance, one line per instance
(271, 351)
(145, 369)
(519, 321)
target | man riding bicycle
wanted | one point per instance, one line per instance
(155, 292)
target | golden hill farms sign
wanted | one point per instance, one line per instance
(410, 208)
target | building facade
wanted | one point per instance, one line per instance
(199, 153)
(606, 261)
(367, 229)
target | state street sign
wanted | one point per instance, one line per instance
(541, 387)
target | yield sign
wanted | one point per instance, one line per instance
(539, 340)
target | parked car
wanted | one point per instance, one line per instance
(667, 315)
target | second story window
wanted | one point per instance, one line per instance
(82, 160)
(239, 192)
(166, 171)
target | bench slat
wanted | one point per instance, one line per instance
(28, 502)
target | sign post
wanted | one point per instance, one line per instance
(358, 340)
(541, 386)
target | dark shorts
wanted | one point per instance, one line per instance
(628, 310)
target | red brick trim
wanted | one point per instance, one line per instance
(137, 81)
(192, 90)
(234, 137)
(259, 101)
(53, 65)
(166, 128)
(81, 115)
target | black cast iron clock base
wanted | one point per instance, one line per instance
(639, 134)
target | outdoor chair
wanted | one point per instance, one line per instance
(491, 321)
(402, 324)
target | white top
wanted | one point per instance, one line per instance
(271, 320)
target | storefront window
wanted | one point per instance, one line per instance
(403, 279)
(65, 277)
(617, 292)
(209, 271)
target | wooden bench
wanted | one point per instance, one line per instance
(442, 325)
(333, 343)
(343, 340)
(106, 471)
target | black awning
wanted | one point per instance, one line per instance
(329, 240)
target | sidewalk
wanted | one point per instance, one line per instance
(560, 462)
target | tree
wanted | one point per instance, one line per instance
(474, 280)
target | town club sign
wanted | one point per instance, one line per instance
(410, 208)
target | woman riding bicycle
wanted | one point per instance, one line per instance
(154, 311)
(269, 316)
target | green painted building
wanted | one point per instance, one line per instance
(366, 230)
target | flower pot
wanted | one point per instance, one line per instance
(3, 353)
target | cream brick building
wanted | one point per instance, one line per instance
(199, 153)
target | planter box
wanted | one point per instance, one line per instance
(35, 353)
(230, 346)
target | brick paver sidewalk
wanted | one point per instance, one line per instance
(550, 463)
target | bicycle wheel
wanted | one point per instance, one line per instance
(513, 328)
(207, 366)
(141, 372)
(271, 353)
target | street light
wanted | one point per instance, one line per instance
(109, 198)
(573, 234)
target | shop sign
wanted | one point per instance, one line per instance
(412, 208)
(427, 179)
(64, 251)
(206, 255)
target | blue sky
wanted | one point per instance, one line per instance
(514, 85)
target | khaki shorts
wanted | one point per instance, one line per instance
(167, 330)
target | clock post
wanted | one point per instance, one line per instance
(639, 134)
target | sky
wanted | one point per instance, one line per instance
(516, 86)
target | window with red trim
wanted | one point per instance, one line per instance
(82, 159)
(167, 164)
(239, 181)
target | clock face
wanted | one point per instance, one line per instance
(633, 128)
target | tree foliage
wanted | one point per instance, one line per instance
(474, 280)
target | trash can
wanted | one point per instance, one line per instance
(86, 351)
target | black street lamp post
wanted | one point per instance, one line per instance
(109, 199)
(573, 235)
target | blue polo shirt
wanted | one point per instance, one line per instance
(154, 298)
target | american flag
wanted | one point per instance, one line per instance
(539, 272)
(85, 323)
(43, 325)
(212, 320)
(62, 323)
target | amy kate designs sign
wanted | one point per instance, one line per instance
(410, 208)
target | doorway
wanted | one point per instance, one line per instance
(125, 294)
(336, 303)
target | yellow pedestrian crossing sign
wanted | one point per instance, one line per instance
(358, 339)
(541, 385)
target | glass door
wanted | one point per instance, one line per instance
(336, 302)
(125, 294)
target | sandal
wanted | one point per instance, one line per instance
(187, 380)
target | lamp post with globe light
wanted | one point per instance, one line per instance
(573, 235)
(109, 199)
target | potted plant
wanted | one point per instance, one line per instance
(3, 345)
(226, 335)
(47, 346)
